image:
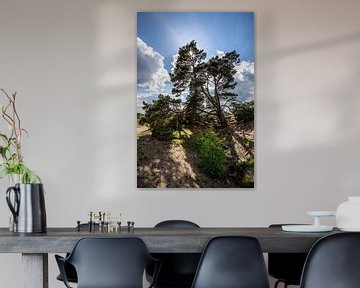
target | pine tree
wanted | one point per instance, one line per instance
(185, 79)
(212, 81)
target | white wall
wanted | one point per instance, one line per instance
(73, 64)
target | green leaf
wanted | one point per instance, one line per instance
(26, 132)
(3, 151)
(27, 175)
(4, 137)
(33, 178)
(3, 173)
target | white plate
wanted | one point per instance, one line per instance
(321, 213)
(350, 229)
(306, 228)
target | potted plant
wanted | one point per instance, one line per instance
(26, 198)
(11, 158)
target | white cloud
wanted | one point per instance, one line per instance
(173, 62)
(147, 97)
(151, 73)
(220, 53)
(245, 81)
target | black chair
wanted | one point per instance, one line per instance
(69, 269)
(176, 224)
(178, 269)
(232, 262)
(108, 263)
(286, 267)
(333, 262)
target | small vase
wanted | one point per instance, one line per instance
(348, 214)
(27, 204)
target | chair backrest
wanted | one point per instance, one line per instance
(176, 224)
(232, 262)
(333, 262)
(287, 267)
(110, 262)
(178, 269)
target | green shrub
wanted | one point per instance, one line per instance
(163, 116)
(212, 155)
(141, 119)
(242, 174)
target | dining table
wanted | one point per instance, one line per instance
(35, 247)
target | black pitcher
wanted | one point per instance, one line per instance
(28, 207)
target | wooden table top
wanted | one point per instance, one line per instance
(158, 240)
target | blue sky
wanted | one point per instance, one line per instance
(160, 34)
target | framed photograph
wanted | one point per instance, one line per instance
(195, 100)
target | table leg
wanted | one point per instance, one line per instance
(35, 270)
